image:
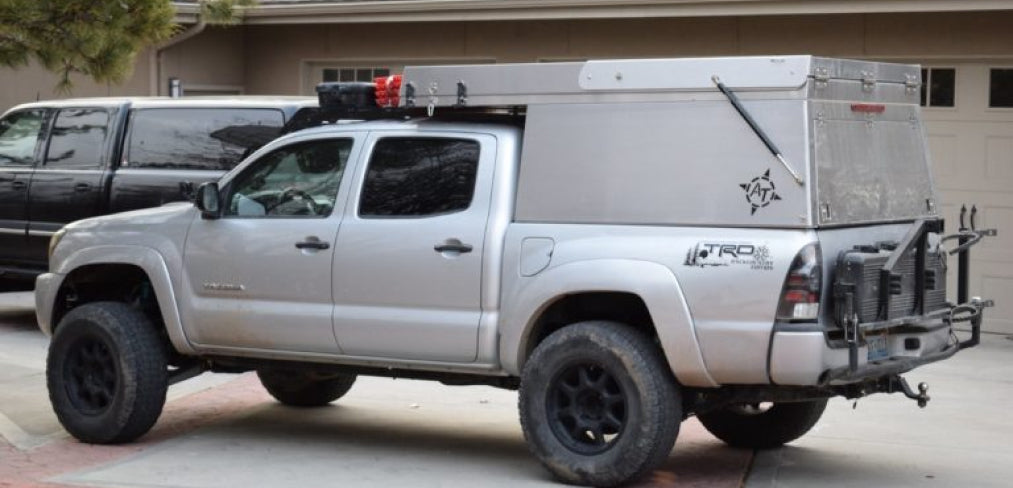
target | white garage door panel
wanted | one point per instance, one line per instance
(972, 162)
(999, 157)
(1000, 289)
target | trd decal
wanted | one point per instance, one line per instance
(760, 191)
(707, 254)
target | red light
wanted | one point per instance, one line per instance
(798, 281)
(868, 108)
(799, 296)
(388, 90)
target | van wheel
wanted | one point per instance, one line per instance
(763, 425)
(305, 388)
(107, 373)
(598, 404)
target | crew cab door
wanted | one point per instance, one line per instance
(408, 263)
(21, 135)
(259, 277)
(67, 185)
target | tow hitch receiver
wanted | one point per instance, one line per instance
(885, 384)
(922, 397)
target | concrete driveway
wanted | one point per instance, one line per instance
(224, 430)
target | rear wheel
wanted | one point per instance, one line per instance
(305, 388)
(763, 425)
(107, 373)
(598, 404)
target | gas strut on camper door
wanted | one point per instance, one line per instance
(756, 128)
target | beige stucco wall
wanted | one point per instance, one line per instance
(214, 58)
(276, 56)
(35, 83)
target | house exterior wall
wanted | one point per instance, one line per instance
(33, 82)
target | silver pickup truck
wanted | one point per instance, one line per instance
(629, 243)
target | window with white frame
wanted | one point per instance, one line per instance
(1000, 88)
(353, 73)
(939, 87)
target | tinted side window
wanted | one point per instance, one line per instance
(411, 177)
(299, 180)
(198, 138)
(78, 138)
(19, 134)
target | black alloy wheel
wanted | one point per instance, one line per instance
(587, 408)
(90, 375)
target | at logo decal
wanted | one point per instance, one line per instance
(760, 191)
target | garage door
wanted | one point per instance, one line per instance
(969, 120)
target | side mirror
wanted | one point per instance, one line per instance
(209, 200)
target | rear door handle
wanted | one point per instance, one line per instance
(312, 242)
(19, 185)
(82, 187)
(452, 245)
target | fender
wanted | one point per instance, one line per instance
(654, 283)
(146, 258)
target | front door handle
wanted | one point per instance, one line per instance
(312, 242)
(19, 185)
(82, 187)
(452, 245)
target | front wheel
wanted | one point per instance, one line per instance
(763, 425)
(598, 404)
(107, 373)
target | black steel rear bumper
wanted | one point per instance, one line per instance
(966, 310)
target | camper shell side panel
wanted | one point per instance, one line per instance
(683, 163)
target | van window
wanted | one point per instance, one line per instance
(78, 139)
(198, 138)
(19, 134)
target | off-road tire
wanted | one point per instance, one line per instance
(575, 381)
(743, 426)
(304, 388)
(107, 373)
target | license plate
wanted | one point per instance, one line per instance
(879, 347)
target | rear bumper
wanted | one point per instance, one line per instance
(805, 358)
(885, 301)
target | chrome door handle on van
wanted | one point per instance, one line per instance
(312, 242)
(452, 245)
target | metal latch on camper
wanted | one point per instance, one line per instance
(911, 83)
(868, 81)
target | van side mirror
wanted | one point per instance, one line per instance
(209, 200)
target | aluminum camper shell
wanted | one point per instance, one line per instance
(655, 141)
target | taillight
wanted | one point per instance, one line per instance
(800, 297)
